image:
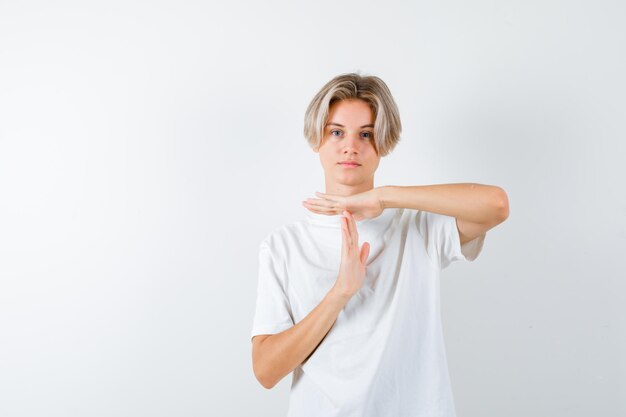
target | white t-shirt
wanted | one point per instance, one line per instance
(385, 354)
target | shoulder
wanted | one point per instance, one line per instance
(282, 236)
(430, 224)
(429, 216)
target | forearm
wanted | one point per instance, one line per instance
(282, 352)
(477, 203)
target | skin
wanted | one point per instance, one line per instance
(351, 192)
(476, 207)
(274, 356)
(351, 142)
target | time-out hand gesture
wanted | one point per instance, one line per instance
(353, 260)
(365, 205)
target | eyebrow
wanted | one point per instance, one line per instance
(337, 124)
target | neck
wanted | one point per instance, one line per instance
(345, 190)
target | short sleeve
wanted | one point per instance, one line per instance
(272, 312)
(442, 240)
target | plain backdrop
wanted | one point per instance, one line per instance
(146, 149)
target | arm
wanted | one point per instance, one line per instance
(476, 207)
(275, 356)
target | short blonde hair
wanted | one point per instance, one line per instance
(373, 91)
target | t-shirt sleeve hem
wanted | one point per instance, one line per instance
(468, 251)
(270, 329)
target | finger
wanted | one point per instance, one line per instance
(320, 202)
(344, 236)
(320, 210)
(353, 230)
(324, 195)
(345, 225)
(324, 208)
(365, 252)
(348, 229)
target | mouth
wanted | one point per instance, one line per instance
(349, 165)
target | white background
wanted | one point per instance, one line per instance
(146, 148)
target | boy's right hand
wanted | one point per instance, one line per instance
(353, 260)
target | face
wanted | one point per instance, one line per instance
(349, 136)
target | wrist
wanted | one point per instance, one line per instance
(338, 296)
(382, 193)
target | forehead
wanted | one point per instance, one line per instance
(352, 112)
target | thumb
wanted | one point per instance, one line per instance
(365, 252)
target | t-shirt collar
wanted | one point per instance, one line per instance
(334, 219)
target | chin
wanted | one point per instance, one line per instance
(350, 180)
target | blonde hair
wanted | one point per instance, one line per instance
(373, 91)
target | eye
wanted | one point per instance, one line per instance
(369, 135)
(333, 131)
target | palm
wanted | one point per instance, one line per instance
(365, 205)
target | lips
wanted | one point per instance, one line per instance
(349, 163)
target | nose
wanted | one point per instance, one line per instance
(352, 144)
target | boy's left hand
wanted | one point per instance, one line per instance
(365, 205)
